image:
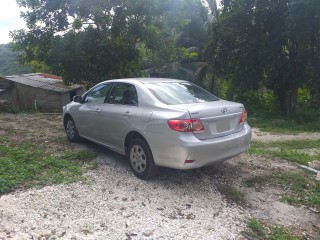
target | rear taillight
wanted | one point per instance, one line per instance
(186, 125)
(244, 116)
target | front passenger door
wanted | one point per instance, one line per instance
(90, 110)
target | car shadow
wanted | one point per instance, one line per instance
(220, 169)
(222, 172)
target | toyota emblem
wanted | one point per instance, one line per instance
(224, 110)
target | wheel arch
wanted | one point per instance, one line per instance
(65, 117)
(133, 135)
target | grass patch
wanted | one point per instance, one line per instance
(302, 121)
(300, 188)
(84, 156)
(287, 150)
(232, 193)
(27, 165)
(257, 230)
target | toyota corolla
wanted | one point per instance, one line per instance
(159, 123)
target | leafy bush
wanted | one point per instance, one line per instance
(7, 107)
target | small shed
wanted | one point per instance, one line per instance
(37, 91)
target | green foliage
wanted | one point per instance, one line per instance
(28, 165)
(304, 97)
(267, 43)
(188, 55)
(7, 108)
(102, 43)
(306, 120)
(256, 227)
(9, 63)
(40, 67)
(232, 193)
(90, 41)
(289, 150)
(260, 231)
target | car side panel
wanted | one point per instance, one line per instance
(113, 123)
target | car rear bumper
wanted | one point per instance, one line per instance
(173, 151)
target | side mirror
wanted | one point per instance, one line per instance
(77, 99)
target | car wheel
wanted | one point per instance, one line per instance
(141, 159)
(71, 130)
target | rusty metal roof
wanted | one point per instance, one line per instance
(43, 81)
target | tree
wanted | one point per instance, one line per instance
(88, 40)
(270, 43)
(9, 64)
(100, 39)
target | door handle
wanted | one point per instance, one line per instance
(97, 110)
(127, 114)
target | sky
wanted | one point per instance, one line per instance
(10, 19)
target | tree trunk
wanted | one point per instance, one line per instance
(212, 85)
(317, 97)
(288, 100)
(199, 74)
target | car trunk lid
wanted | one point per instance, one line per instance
(219, 118)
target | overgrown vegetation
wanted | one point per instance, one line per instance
(267, 44)
(274, 122)
(236, 52)
(260, 231)
(98, 40)
(299, 151)
(29, 156)
(27, 165)
(300, 186)
(6, 107)
(232, 193)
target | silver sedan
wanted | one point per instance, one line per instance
(159, 123)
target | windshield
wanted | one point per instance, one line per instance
(174, 93)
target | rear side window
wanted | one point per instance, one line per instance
(174, 93)
(124, 94)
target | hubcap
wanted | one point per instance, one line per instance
(70, 129)
(138, 158)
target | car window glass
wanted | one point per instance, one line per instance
(173, 93)
(98, 94)
(124, 94)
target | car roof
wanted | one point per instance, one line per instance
(145, 80)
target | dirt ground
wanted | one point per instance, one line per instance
(264, 204)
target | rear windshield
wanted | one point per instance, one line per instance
(174, 93)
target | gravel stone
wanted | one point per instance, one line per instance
(114, 204)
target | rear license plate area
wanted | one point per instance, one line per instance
(223, 125)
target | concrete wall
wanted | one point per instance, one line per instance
(23, 97)
(47, 101)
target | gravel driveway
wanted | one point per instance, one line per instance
(114, 204)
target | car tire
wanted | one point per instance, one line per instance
(71, 130)
(141, 159)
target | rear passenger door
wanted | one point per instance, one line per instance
(118, 114)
